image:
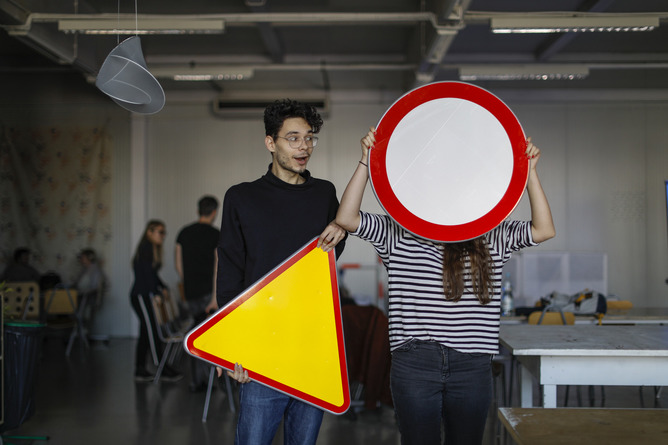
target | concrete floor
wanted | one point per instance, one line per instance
(91, 398)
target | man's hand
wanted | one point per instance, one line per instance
(239, 374)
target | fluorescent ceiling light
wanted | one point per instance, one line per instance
(142, 26)
(203, 72)
(523, 72)
(546, 24)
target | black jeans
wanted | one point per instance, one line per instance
(433, 384)
(148, 336)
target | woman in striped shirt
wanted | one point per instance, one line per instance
(443, 310)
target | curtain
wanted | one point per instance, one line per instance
(55, 194)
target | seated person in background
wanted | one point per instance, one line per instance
(20, 269)
(89, 283)
(90, 279)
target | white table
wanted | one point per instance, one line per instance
(587, 355)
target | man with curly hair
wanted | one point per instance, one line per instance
(264, 222)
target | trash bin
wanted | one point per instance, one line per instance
(22, 346)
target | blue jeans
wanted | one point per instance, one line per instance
(434, 385)
(260, 415)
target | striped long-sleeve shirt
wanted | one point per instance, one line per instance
(417, 305)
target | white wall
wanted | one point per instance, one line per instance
(61, 98)
(192, 153)
(603, 167)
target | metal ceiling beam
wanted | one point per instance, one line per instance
(450, 16)
(12, 13)
(46, 40)
(35, 35)
(449, 11)
(445, 25)
(271, 40)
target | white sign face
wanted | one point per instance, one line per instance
(449, 162)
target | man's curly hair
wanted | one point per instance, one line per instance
(276, 113)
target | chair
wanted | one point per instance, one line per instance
(368, 356)
(154, 312)
(62, 300)
(499, 374)
(209, 389)
(172, 320)
(619, 305)
(22, 299)
(499, 362)
(552, 318)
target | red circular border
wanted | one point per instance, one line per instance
(378, 169)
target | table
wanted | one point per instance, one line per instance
(634, 355)
(585, 426)
(640, 315)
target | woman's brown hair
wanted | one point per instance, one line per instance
(454, 259)
(157, 249)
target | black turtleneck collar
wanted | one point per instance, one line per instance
(275, 180)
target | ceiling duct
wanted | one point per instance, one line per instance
(253, 107)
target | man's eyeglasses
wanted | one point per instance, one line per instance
(296, 142)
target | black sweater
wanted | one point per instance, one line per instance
(147, 281)
(264, 222)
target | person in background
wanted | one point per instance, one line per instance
(195, 261)
(146, 263)
(20, 269)
(89, 283)
(444, 310)
(90, 278)
(263, 223)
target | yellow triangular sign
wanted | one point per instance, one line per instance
(286, 330)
